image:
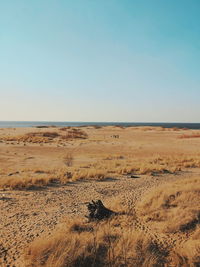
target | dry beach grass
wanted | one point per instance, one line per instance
(149, 174)
(161, 233)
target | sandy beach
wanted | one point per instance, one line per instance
(48, 175)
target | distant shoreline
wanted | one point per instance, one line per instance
(18, 124)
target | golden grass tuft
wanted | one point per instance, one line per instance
(174, 207)
(187, 254)
(34, 178)
(68, 159)
(90, 173)
(108, 243)
(116, 242)
(27, 181)
(121, 165)
(111, 166)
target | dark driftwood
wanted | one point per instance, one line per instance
(97, 211)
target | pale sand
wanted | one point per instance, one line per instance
(27, 214)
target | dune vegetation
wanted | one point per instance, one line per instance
(47, 137)
(47, 173)
(110, 166)
(163, 230)
(194, 135)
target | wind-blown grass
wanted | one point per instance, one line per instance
(117, 242)
(110, 166)
(107, 243)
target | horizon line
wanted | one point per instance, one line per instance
(57, 121)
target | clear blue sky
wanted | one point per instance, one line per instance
(100, 60)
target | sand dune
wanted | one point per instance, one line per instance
(47, 175)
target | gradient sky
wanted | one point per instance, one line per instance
(100, 60)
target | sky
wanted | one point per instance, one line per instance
(100, 60)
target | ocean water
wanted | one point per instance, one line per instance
(16, 124)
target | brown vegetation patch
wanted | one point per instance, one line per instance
(42, 126)
(74, 134)
(108, 243)
(24, 182)
(33, 137)
(114, 242)
(97, 127)
(65, 128)
(111, 167)
(47, 137)
(30, 178)
(174, 207)
(119, 164)
(68, 159)
(195, 135)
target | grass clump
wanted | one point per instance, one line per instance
(121, 165)
(33, 137)
(47, 136)
(79, 243)
(24, 182)
(74, 133)
(118, 242)
(174, 207)
(68, 159)
(30, 178)
(91, 173)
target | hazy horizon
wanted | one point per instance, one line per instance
(107, 122)
(100, 61)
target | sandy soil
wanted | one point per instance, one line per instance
(27, 214)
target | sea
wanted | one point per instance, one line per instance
(16, 124)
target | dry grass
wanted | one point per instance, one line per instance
(187, 254)
(109, 243)
(111, 166)
(159, 128)
(68, 159)
(35, 178)
(194, 135)
(65, 128)
(175, 207)
(34, 137)
(98, 162)
(26, 182)
(91, 173)
(118, 164)
(97, 127)
(46, 137)
(171, 212)
(74, 133)
(26, 139)
(116, 242)
(46, 134)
